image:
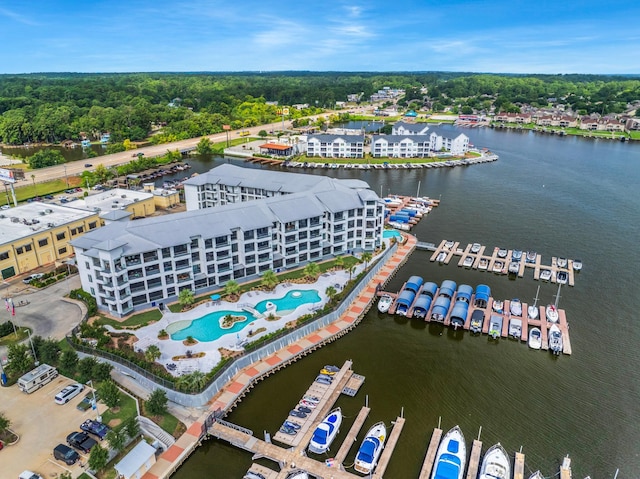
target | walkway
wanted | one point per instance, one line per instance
(171, 459)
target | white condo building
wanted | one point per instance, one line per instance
(293, 219)
(335, 146)
(416, 140)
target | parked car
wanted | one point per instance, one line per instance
(86, 401)
(81, 441)
(65, 454)
(88, 165)
(96, 428)
(5, 207)
(68, 393)
(48, 197)
(29, 475)
(31, 277)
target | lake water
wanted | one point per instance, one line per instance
(560, 196)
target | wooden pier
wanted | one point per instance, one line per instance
(474, 459)
(352, 434)
(430, 457)
(383, 462)
(518, 466)
(353, 385)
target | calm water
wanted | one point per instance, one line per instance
(559, 196)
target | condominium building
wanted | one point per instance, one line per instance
(132, 265)
(38, 234)
(416, 140)
(336, 146)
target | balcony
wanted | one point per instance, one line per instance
(133, 262)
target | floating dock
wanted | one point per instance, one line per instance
(383, 462)
(352, 434)
(427, 465)
(474, 459)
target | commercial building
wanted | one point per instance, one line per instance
(38, 234)
(226, 234)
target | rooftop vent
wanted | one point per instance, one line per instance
(50, 225)
(123, 196)
(15, 220)
(48, 211)
(42, 213)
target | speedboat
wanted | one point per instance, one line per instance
(495, 326)
(562, 262)
(532, 312)
(253, 475)
(327, 372)
(502, 253)
(545, 275)
(496, 464)
(515, 307)
(326, 432)
(531, 256)
(307, 404)
(515, 328)
(536, 475)
(451, 457)
(514, 267)
(516, 255)
(370, 449)
(552, 314)
(384, 303)
(577, 264)
(477, 318)
(475, 247)
(562, 277)
(497, 267)
(441, 257)
(313, 399)
(468, 262)
(535, 338)
(555, 339)
(497, 306)
(484, 264)
(292, 424)
(298, 474)
(448, 245)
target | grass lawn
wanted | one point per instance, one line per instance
(134, 322)
(13, 338)
(635, 135)
(126, 410)
(26, 191)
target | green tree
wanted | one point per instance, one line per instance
(5, 423)
(269, 279)
(98, 458)
(85, 368)
(116, 440)
(231, 288)
(312, 270)
(192, 382)
(331, 292)
(351, 271)
(47, 350)
(152, 353)
(204, 146)
(20, 360)
(156, 405)
(101, 372)
(44, 158)
(262, 134)
(365, 258)
(69, 362)
(115, 148)
(131, 427)
(339, 262)
(185, 298)
(109, 393)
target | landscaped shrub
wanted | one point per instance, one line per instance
(86, 298)
(6, 328)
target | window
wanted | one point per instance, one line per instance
(62, 250)
(4, 255)
(248, 235)
(43, 242)
(19, 250)
(208, 244)
(93, 225)
(61, 236)
(166, 252)
(28, 247)
(168, 266)
(90, 279)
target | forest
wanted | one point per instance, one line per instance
(51, 108)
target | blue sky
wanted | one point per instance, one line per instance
(211, 35)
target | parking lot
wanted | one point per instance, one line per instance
(41, 425)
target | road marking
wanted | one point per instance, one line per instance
(60, 466)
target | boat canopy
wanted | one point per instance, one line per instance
(368, 449)
(422, 304)
(406, 298)
(483, 292)
(459, 312)
(322, 433)
(464, 293)
(447, 288)
(429, 289)
(414, 283)
(441, 307)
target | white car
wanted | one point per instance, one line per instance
(68, 393)
(29, 475)
(31, 277)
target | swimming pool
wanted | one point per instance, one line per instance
(207, 328)
(391, 234)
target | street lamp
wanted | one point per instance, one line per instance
(94, 402)
(66, 178)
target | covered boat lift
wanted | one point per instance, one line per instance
(429, 289)
(483, 292)
(464, 293)
(404, 302)
(440, 308)
(459, 314)
(413, 284)
(447, 288)
(421, 307)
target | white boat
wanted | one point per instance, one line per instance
(502, 253)
(552, 314)
(370, 449)
(441, 257)
(516, 255)
(497, 306)
(475, 247)
(536, 475)
(562, 262)
(497, 267)
(577, 264)
(468, 262)
(515, 307)
(532, 310)
(299, 474)
(562, 277)
(451, 457)
(448, 245)
(384, 303)
(535, 338)
(555, 339)
(514, 268)
(531, 256)
(545, 275)
(326, 432)
(515, 328)
(495, 464)
(484, 264)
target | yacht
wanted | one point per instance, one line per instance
(448, 245)
(497, 267)
(468, 262)
(515, 328)
(495, 326)
(552, 314)
(475, 247)
(497, 306)
(577, 264)
(532, 310)
(531, 256)
(326, 432)
(545, 275)
(555, 339)
(515, 307)
(384, 303)
(535, 338)
(370, 449)
(451, 457)
(495, 464)
(562, 262)
(502, 253)
(477, 319)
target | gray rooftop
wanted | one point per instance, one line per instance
(331, 138)
(399, 138)
(417, 127)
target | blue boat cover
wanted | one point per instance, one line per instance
(453, 446)
(406, 298)
(423, 302)
(448, 284)
(441, 306)
(414, 283)
(460, 310)
(429, 289)
(448, 467)
(483, 292)
(368, 449)
(464, 291)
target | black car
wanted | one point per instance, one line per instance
(88, 165)
(65, 454)
(81, 441)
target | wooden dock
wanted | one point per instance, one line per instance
(263, 471)
(353, 385)
(518, 466)
(388, 449)
(474, 459)
(430, 457)
(352, 434)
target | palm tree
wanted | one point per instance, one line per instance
(231, 288)
(192, 382)
(312, 270)
(269, 279)
(339, 262)
(331, 292)
(352, 270)
(152, 353)
(365, 258)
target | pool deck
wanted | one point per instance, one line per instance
(172, 458)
